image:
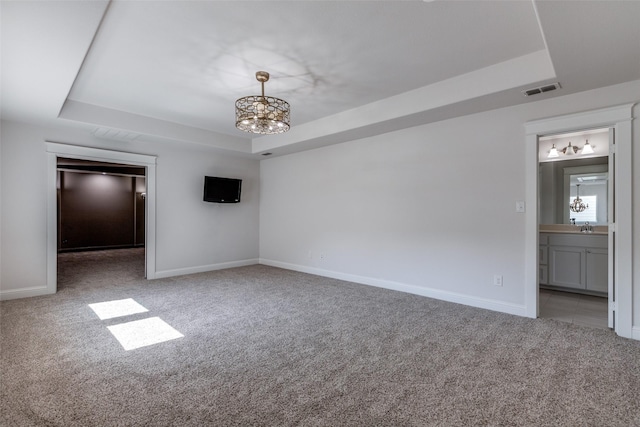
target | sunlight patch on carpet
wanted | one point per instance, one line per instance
(117, 308)
(141, 333)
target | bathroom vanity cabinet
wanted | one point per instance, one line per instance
(575, 262)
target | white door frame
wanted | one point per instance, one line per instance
(620, 118)
(55, 150)
(611, 237)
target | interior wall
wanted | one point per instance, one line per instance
(429, 210)
(97, 211)
(191, 235)
(140, 195)
(548, 192)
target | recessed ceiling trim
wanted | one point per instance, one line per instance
(86, 53)
(511, 74)
(150, 127)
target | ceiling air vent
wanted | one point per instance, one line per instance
(541, 89)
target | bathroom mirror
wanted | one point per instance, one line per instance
(590, 185)
(559, 183)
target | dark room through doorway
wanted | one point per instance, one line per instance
(100, 222)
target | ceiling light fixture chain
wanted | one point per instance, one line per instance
(262, 114)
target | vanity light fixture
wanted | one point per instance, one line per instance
(261, 114)
(577, 205)
(570, 150)
(588, 148)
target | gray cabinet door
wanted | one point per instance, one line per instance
(567, 266)
(543, 274)
(597, 270)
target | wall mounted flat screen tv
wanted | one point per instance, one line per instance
(222, 190)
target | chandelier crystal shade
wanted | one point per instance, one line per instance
(577, 205)
(262, 114)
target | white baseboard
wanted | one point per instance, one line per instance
(635, 332)
(24, 293)
(489, 304)
(204, 268)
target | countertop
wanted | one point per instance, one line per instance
(571, 229)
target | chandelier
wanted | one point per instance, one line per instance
(577, 205)
(261, 114)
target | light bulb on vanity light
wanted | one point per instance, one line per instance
(588, 148)
(569, 149)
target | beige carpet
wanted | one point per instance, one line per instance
(270, 347)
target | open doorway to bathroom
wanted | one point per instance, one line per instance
(574, 193)
(100, 222)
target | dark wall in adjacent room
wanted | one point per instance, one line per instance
(100, 211)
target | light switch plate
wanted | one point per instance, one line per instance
(519, 206)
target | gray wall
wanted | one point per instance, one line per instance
(191, 235)
(98, 211)
(429, 209)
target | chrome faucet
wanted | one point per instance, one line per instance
(586, 228)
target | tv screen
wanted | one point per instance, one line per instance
(222, 190)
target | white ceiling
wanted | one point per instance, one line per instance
(349, 69)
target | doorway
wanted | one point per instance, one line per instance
(619, 119)
(84, 154)
(101, 214)
(574, 212)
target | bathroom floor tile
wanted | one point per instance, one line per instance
(582, 310)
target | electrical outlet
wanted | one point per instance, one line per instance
(497, 280)
(322, 256)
